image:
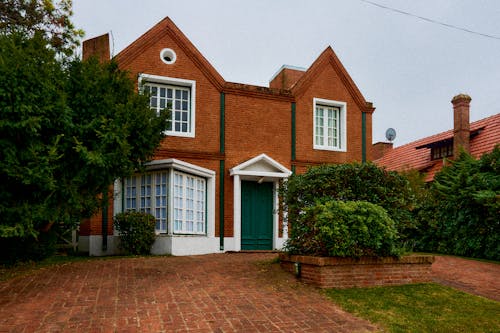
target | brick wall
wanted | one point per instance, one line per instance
(257, 119)
(328, 85)
(363, 272)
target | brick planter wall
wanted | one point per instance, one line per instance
(330, 272)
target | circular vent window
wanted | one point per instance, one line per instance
(168, 56)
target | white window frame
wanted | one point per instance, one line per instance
(158, 210)
(170, 167)
(181, 207)
(342, 136)
(144, 79)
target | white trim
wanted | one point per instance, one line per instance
(181, 166)
(172, 53)
(182, 244)
(343, 124)
(144, 78)
(240, 173)
(237, 212)
(239, 169)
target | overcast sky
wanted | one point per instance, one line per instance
(409, 68)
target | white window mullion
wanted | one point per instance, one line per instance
(329, 124)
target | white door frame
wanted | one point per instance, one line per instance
(261, 168)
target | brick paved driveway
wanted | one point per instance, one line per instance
(472, 276)
(212, 293)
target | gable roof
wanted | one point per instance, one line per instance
(416, 155)
(166, 26)
(329, 58)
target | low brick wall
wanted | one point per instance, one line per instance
(331, 272)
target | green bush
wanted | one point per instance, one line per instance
(463, 217)
(353, 182)
(137, 231)
(20, 249)
(344, 229)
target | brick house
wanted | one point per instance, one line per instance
(428, 155)
(212, 185)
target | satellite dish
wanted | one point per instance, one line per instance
(390, 134)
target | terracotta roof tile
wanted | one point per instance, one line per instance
(407, 157)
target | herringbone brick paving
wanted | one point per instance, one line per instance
(211, 293)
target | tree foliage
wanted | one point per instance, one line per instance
(352, 182)
(463, 218)
(48, 18)
(344, 229)
(66, 132)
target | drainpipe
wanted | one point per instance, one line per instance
(221, 171)
(293, 136)
(363, 137)
(104, 226)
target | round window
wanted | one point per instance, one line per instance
(168, 56)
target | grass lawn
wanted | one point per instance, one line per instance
(420, 308)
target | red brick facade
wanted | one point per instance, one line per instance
(256, 120)
(363, 272)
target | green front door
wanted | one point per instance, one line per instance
(256, 216)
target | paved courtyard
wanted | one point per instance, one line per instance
(212, 293)
(238, 292)
(472, 276)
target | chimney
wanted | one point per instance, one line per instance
(286, 77)
(379, 149)
(98, 47)
(461, 126)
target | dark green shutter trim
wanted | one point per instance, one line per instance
(221, 204)
(222, 120)
(123, 195)
(104, 225)
(363, 137)
(293, 131)
(222, 170)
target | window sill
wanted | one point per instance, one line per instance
(180, 235)
(179, 134)
(330, 148)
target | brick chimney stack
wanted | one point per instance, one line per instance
(98, 47)
(461, 125)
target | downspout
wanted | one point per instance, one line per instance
(221, 171)
(104, 226)
(363, 137)
(293, 136)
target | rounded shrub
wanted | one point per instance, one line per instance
(137, 231)
(353, 182)
(344, 229)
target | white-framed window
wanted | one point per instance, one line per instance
(189, 204)
(150, 193)
(329, 122)
(178, 95)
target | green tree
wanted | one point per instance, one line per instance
(353, 182)
(49, 18)
(66, 132)
(467, 207)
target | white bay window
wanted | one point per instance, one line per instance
(169, 193)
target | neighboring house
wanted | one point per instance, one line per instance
(428, 155)
(213, 183)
